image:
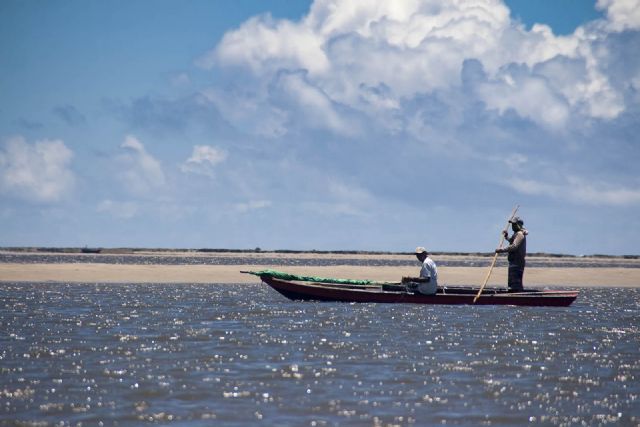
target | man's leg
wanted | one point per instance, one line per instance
(515, 278)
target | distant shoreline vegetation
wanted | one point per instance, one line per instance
(99, 250)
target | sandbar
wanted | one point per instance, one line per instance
(231, 274)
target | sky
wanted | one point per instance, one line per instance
(320, 125)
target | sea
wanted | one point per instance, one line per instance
(243, 355)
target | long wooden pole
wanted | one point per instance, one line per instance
(495, 256)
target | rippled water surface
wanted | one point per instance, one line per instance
(242, 355)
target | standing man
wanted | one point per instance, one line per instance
(517, 251)
(428, 272)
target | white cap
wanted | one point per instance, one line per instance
(421, 250)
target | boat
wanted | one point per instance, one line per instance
(309, 288)
(87, 250)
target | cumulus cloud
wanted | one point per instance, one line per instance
(621, 14)
(309, 104)
(38, 172)
(203, 160)
(326, 64)
(140, 172)
(376, 93)
(529, 95)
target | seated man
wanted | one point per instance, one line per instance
(428, 283)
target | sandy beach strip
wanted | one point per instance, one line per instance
(230, 274)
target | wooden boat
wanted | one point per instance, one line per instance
(378, 292)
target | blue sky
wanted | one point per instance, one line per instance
(320, 125)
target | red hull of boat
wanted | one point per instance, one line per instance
(322, 292)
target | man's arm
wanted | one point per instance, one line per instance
(515, 242)
(425, 272)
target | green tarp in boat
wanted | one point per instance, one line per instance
(287, 276)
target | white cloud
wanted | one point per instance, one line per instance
(343, 48)
(530, 96)
(36, 172)
(579, 190)
(310, 104)
(122, 210)
(365, 96)
(141, 172)
(261, 39)
(621, 14)
(203, 160)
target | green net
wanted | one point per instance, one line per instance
(287, 276)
